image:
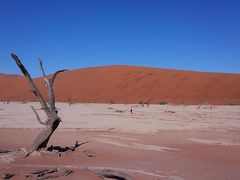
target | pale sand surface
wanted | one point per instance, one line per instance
(155, 142)
(143, 119)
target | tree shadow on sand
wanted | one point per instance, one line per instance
(60, 149)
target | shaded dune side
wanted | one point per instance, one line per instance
(130, 84)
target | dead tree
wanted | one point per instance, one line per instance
(49, 108)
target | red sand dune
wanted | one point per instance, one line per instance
(129, 84)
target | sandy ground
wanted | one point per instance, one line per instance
(155, 142)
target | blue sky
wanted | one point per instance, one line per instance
(198, 35)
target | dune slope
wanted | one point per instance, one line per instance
(130, 84)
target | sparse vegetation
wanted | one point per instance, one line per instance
(119, 111)
(163, 103)
(146, 103)
(111, 102)
(69, 100)
(233, 101)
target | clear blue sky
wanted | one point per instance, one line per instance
(198, 35)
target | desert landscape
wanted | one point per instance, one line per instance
(119, 90)
(161, 138)
(175, 142)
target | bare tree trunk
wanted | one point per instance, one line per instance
(53, 119)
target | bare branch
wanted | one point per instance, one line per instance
(49, 85)
(55, 75)
(52, 79)
(38, 118)
(45, 80)
(50, 90)
(32, 85)
(41, 65)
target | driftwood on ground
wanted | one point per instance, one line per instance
(13, 150)
(41, 174)
(109, 173)
(89, 153)
(8, 175)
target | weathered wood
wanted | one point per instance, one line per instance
(49, 84)
(108, 173)
(8, 176)
(89, 153)
(38, 118)
(53, 120)
(41, 174)
(12, 150)
(43, 138)
(5, 150)
(32, 85)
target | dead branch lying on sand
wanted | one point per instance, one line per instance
(52, 173)
(109, 173)
(13, 150)
(169, 111)
(5, 150)
(89, 153)
(8, 175)
(41, 174)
